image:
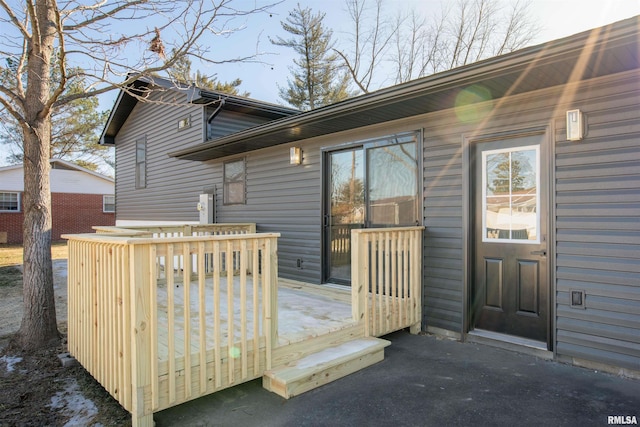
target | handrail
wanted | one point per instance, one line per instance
(178, 229)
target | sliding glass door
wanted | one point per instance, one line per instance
(371, 184)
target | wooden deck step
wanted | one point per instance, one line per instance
(324, 366)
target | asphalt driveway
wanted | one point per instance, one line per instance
(427, 381)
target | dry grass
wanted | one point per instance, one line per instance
(12, 254)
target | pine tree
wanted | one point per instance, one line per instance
(317, 79)
(75, 126)
(181, 71)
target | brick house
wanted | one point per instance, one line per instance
(80, 199)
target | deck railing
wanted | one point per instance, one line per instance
(129, 319)
(161, 315)
(386, 285)
(161, 231)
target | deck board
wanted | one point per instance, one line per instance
(304, 311)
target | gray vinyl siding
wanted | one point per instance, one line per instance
(173, 186)
(280, 197)
(443, 250)
(228, 122)
(598, 229)
(285, 199)
(596, 222)
(594, 217)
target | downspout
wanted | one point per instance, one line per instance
(217, 110)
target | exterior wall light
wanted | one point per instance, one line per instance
(295, 156)
(575, 125)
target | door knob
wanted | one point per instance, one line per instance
(542, 252)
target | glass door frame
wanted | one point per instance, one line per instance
(364, 145)
(326, 233)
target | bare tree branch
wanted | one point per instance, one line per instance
(62, 67)
(14, 19)
(519, 31)
(101, 15)
(469, 31)
(370, 42)
(48, 48)
(9, 100)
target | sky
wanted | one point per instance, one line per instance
(557, 19)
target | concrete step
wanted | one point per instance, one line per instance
(324, 366)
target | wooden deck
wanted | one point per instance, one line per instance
(304, 312)
(163, 316)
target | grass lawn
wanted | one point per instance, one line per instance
(12, 254)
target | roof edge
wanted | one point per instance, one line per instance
(125, 102)
(558, 48)
(66, 163)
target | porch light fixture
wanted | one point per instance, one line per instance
(295, 156)
(575, 125)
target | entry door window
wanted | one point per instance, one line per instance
(510, 195)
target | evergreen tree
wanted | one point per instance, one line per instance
(181, 71)
(508, 175)
(75, 126)
(317, 79)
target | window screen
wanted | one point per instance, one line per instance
(234, 182)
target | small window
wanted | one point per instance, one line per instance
(184, 123)
(234, 183)
(141, 163)
(108, 204)
(9, 202)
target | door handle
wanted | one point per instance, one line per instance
(543, 252)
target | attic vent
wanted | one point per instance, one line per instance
(577, 299)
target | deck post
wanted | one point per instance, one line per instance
(140, 270)
(271, 298)
(358, 279)
(251, 229)
(416, 280)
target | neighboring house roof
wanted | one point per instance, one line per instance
(126, 101)
(607, 50)
(66, 177)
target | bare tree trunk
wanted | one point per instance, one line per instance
(45, 43)
(39, 326)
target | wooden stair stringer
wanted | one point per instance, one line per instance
(324, 366)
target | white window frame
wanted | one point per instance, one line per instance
(104, 203)
(18, 201)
